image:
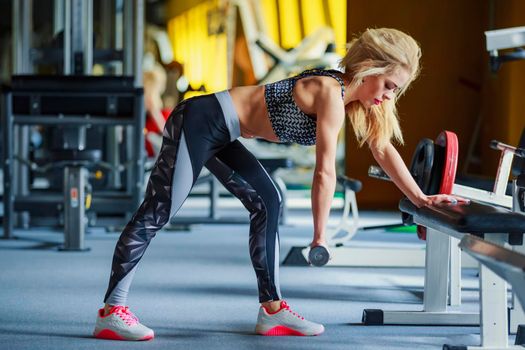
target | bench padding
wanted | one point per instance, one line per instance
(475, 218)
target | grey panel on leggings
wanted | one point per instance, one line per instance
(182, 177)
(230, 114)
(199, 129)
(119, 295)
(182, 183)
(276, 280)
(152, 214)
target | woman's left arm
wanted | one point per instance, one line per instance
(393, 165)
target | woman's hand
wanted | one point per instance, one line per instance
(318, 242)
(445, 199)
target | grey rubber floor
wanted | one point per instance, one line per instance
(197, 290)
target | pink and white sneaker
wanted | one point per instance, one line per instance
(285, 322)
(120, 324)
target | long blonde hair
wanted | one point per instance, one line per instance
(375, 52)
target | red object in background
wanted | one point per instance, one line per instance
(151, 126)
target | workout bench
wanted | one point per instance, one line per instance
(497, 225)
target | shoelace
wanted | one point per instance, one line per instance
(126, 315)
(287, 307)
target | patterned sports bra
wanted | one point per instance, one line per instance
(289, 123)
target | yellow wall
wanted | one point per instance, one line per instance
(299, 18)
(203, 57)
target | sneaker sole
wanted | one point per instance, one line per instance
(111, 335)
(284, 331)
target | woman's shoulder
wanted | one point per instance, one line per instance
(326, 81)
(321, 86)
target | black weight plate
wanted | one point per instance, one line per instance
(422, 162)
(437, 170)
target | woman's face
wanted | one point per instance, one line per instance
(377, 88)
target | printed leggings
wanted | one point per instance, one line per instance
(202, 131)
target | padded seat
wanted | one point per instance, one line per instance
(476, 218)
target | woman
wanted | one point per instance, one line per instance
(308, 109)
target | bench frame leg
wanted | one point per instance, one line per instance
(516, 312)
(493, 303)
(436, 290)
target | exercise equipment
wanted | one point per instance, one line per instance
(506, 263)
(315, 50)
(510, 266)
(445, 163)
(98, 120)
(319, 255)
(497, 225)
(344, 252)
(77, 193)
(427, 167)
(433, 167)
(422, 162)
(500, 39)
(442, 173)
(73, 105)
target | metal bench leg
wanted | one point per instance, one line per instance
(493, 303)
(516, 313)
(455, 273)
(435, 311)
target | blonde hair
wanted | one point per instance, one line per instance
(376, 52)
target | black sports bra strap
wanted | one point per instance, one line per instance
(321, 72)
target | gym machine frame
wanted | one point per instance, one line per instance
(506, 263)
(493, 316)
(32, 100)
(507, 38)
(74, 18)
(443, 278)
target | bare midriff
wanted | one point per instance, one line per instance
(253, 116)
(250, 105)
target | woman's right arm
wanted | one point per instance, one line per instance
(330, 119)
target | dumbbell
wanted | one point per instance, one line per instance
(319, 255)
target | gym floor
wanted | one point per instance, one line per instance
(197, 290)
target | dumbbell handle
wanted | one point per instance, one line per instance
(378, 173)
(520, 152)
